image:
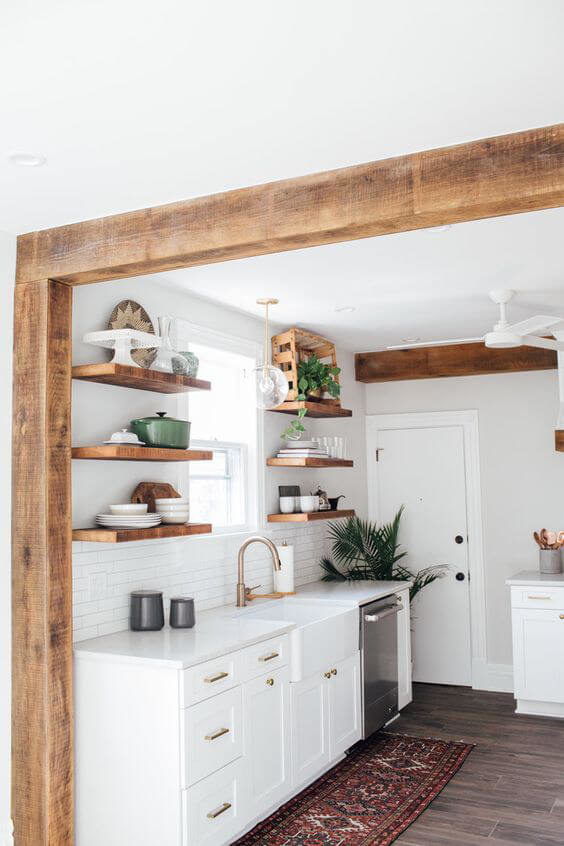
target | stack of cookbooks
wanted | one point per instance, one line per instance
(302, 449)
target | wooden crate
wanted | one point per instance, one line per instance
(296, 345)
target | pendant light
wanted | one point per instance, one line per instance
(271, 383)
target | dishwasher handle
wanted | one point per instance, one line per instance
(387, 611)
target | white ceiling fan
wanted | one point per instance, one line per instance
(504, 334)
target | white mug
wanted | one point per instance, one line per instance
(309, 504)
(287, 504)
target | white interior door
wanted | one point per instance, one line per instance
(424, 470)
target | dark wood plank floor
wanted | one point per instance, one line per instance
(511, 787)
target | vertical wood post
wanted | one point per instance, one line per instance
(42, 714)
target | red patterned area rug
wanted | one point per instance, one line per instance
(369, 798)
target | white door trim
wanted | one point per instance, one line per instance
(468, 420)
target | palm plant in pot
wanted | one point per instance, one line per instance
(365, 551)
(314, 379)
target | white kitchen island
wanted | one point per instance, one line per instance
(190, 737)
(537, 613)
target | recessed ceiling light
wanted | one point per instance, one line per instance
(345, 309)
(410, 340)
(27, 160)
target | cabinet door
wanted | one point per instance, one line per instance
(404, 653)
(310, 727)
(266, 705)
(344, 705)
(538, 654)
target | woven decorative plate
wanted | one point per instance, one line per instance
(130, 315)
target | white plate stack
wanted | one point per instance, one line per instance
(124, 519)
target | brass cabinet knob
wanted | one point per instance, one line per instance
(333, 672)
(270, 682)
(561, 616)
(327, 675)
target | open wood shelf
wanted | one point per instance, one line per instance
(559, 440)
(309, 462)
(308, 518)
(126, 452)
(101, 535)
(314, 409)
(138, 377)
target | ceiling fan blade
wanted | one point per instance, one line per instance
(533, 325)
(435, 343)
(543, 343)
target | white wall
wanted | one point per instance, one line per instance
(521, 474)
(204, 567)
(7, 271)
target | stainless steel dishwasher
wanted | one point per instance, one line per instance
(379, 662)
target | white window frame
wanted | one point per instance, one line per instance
(255, 503)
(200, 468)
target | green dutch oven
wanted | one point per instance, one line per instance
(162, 431)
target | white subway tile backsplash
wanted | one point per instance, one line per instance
(205, 568)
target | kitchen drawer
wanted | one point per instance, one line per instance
(265, 657)
(537, 597)
(214, 809)
(208, 679)
(212, 735)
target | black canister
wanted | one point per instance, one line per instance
(182, 614)
(146, 611)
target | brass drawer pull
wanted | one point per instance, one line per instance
(269, 657)
(215, 734)
(561, 616)
(539, 597)
(217, 677)
(221, 810)
(270, 682)
(327, 675)
(333, 672)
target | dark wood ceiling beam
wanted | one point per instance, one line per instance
(449, 360)
(497, 176)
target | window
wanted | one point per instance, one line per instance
(222, 491)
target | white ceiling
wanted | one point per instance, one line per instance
(136, 103)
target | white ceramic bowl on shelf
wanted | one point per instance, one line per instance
(175, 517)
(172, 501)
(172, 509)
(129, 509)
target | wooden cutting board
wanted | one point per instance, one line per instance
(149, 491)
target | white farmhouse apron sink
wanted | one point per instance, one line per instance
(324, 634)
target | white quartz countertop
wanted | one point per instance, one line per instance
(354, 593)
(217, 632)
(533, 577)
(222, 630)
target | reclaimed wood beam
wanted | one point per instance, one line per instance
(42, 711)
(504, 175)
(449, 360)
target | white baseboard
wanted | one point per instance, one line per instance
(494, 677)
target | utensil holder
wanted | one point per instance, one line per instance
(550, 561)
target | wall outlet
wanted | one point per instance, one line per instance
(98, 585)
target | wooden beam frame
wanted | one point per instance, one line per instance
(498, 176)
(449, 360)
(505, 175)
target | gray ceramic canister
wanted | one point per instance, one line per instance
(146, 611)
(182, 614)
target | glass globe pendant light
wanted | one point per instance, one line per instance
(271, 383)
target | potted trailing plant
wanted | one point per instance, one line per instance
(364, 550)
(314, 379)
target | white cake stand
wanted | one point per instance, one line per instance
(122, 341)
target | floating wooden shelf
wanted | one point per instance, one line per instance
(137, 377)
(314, 409)
(98, 535)
(559, 440)
(308, 518)
(309, 462)
(124, 452)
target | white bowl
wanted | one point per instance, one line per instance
(175, 500)
(129, 508)
(176, 517)
(171, 509)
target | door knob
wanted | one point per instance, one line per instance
(460, 577)
(459, 539)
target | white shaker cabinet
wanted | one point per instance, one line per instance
(326, 718)
(538, 646)
(266, 706)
